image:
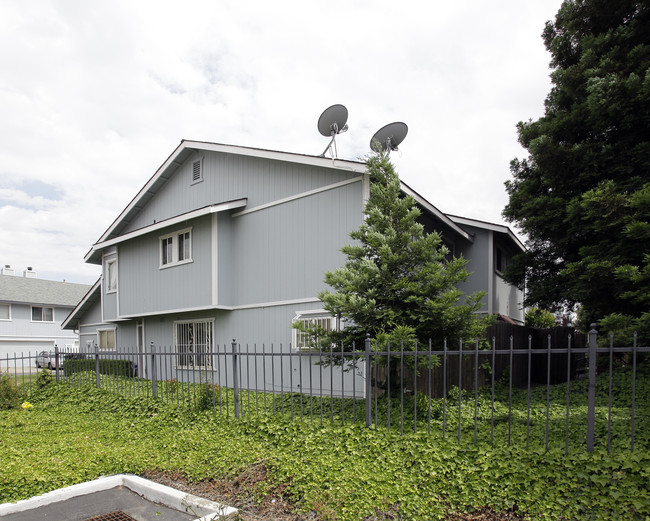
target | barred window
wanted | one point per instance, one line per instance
(193, 343)
(320, 322)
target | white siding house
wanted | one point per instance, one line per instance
(32, 312)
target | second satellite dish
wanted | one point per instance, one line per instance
(331, 123)
(389, 137)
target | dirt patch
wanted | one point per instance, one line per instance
(241, 491)
(485, 514)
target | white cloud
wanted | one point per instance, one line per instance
(95, 95)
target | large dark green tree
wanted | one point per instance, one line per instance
(582, 194)
(399, 282)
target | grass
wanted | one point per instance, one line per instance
(345, 472)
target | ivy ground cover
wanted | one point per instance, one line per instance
(343, 472)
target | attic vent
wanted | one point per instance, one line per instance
(197, 171)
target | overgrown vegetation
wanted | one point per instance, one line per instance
(582, 195)
(540, 318)
(343, 471)
(9, 392)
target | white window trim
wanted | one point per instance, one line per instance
(8, 313)
(107, 330)
(313, 314)
(31, 314)
(174, 236)
(210, 347)
(110, 262)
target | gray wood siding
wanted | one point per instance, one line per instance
(282, 252)
(145, 288)
(20, 334)
(109, 305)
(21, 324)
(255, 330)
(227, 177)
(477, 254)
(89, 326)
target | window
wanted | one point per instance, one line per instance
(106, 339)
(319, 321)
(42, 314)
(176, 248)
(184, 244)
(193, 343)
(111, 276)
(501, 260)
(5, 311)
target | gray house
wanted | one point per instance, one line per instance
(32, 311)
(228, 242)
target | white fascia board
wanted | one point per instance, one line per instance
(171, 311)
(336, 164)
(443, 217)
(221, 207)
(489, 226)
(90, 293)
(258, 305)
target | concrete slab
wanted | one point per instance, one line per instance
(139, 498)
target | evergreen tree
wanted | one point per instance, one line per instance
(398, 283)
(581, 196)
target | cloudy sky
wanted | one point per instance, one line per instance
(95, 95)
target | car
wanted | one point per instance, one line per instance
(48, 359)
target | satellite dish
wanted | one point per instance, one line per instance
(331, 123)
(389, 137)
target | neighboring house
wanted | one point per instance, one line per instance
(32, 311)
(228, 242)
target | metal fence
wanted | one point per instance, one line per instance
(594, 403)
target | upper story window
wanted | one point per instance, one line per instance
(5, 311)
(501, 260)
(111, 276)
(176, 248)
(42, 314)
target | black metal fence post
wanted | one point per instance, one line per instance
(235, 375)
(97, 366)
(591, 393)
(56, 361)
(154, 383)
(368, 384)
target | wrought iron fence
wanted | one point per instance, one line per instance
(588, 396)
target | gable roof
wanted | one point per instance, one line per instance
(27, 290)
(187, 148)
(72, 321)
(498, 228)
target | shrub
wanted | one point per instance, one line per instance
(208, 394)
(9, 392)
(113, 367)
(539, 318)
(44, 378)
